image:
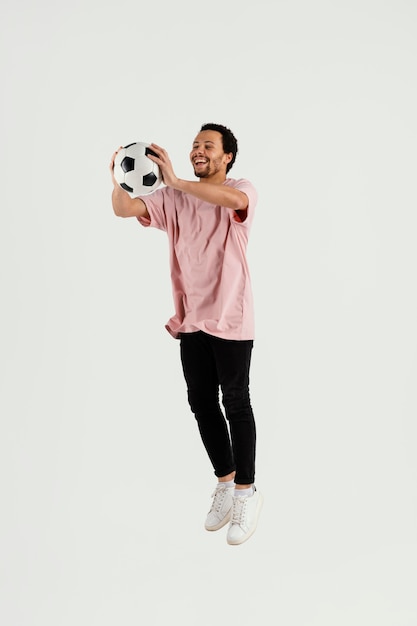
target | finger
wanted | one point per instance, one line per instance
(154, 155)
(157, 148)
(114, 157)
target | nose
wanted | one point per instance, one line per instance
(197, 152)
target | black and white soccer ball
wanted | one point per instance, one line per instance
(134, 172)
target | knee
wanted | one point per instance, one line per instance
(202, 404)
(236, 402)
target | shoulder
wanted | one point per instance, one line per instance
(239, 183)
(245, 185)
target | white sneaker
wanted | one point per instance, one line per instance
(245, 513)
(221, 507)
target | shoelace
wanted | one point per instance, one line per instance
(218, 496)
(238, 510)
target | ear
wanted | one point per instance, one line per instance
(229, 156)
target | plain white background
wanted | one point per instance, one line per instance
(104, 481)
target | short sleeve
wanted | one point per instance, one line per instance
(247, 188)
(156, 206)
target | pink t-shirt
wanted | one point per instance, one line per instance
(209, 271)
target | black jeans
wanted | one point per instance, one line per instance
(210, 363)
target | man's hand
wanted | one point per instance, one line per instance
(112, 165)
(164, 162)
(123, 204)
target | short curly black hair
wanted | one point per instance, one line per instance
(229, 140)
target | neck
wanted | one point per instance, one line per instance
(215, 179)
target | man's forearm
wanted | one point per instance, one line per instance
(215, 194)
(125, 206)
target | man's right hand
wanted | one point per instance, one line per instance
(123, 204)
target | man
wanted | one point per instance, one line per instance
(207, 223)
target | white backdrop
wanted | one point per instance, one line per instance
(105, 484)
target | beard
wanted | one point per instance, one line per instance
(202, 174)
(212, 167)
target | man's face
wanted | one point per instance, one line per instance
(207, 155)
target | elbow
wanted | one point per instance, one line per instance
(118, 212)
(119, 209)
(117, 203)
(241, 202)
(242, 206)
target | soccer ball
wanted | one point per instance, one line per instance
(134, 172)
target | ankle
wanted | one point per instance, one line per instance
(242, 492)
(226, 483)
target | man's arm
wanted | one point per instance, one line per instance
(123, 204)
(221, 195)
